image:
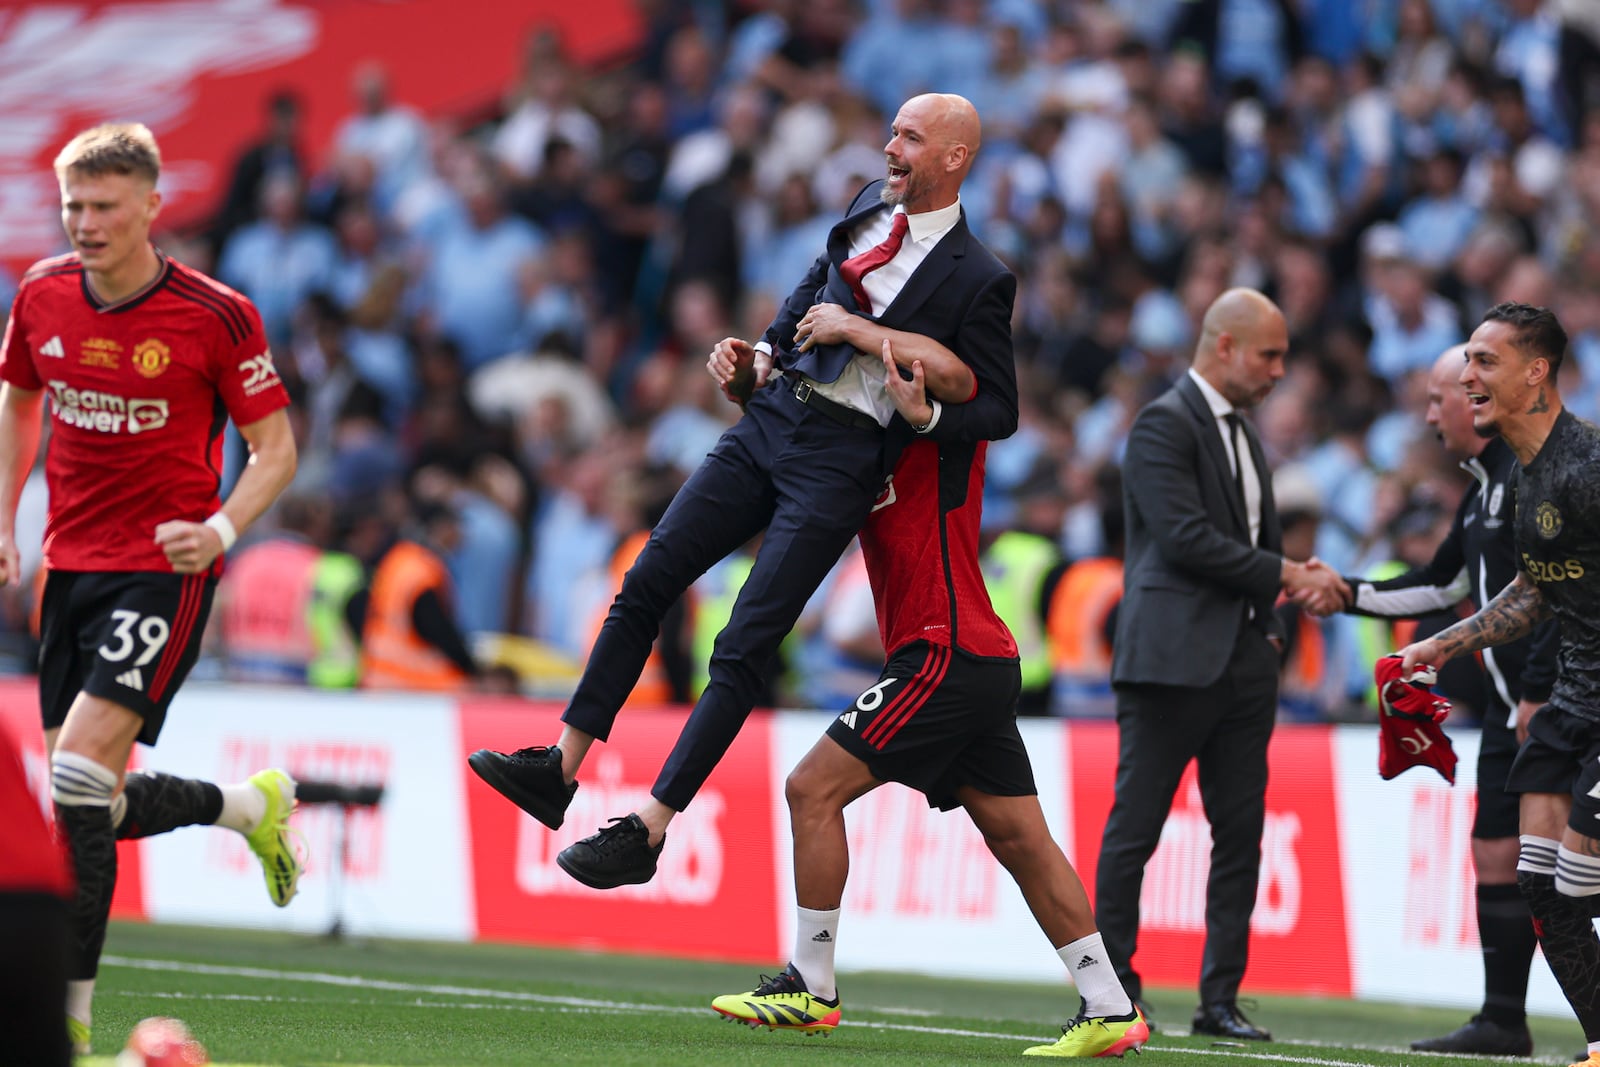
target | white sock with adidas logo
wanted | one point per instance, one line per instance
(816, 932)
(1094, 976)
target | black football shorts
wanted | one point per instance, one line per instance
(1562, 755)
(130, 637)
(1497, 814)
(939, 719)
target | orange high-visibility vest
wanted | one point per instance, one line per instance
(1307, 668)
(266, 613)
(393, 654)
(653, 686)
(1083, 598)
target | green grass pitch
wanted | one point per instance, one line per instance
(271, 999)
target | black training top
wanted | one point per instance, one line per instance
(1558, 545)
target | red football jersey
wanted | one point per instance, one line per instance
(921, 548)
(139, 392)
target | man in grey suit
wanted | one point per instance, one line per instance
(1196, 653)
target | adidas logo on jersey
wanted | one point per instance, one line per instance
(53, 347)
(133, 679)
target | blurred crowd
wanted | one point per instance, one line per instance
(494, 325)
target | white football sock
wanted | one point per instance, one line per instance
(1577, 875)
(78, 781)
(80, 993)
(1094, 976)
(243, 807)
(1537, 855)
(816, 933)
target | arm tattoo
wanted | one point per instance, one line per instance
(1541, 404)
(1515, 612)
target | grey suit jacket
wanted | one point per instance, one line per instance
(1191, 575)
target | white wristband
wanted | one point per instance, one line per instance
(224, 527)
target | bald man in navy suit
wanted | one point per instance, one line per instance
(805, 463)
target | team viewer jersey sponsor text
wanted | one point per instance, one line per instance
(138, 395)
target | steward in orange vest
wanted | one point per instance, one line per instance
(664, 679)
(409, 636)
(1079, 624)
(1081, 617)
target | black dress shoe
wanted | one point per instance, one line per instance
(619, 854)
(530, 778)
(1483, 1037)
(1226, 1020)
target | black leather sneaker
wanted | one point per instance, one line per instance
(618, 854)
(530, 778)
(1483, 1037)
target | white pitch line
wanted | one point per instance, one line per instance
(526, 1001)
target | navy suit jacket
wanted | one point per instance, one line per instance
(1190, 574)
(960, 296)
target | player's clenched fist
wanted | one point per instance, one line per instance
(191, 547)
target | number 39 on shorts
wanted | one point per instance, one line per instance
(131, 631)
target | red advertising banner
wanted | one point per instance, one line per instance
(713, 896)
(1299, 914)
(199, 73)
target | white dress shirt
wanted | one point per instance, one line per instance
(861, 385)
(1239, 461)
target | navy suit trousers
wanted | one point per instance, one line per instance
(791, 470)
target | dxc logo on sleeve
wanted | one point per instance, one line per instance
(259, 373)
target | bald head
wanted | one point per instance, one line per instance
(931, 147)
(1243, 342)
(1235, 312)
(1447, 368)
(952, 118)
(1448, 411)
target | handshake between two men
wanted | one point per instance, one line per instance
(1315, 586)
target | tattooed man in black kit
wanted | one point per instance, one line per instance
(1510, 369)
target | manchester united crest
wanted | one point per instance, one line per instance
(1547, 520)
(151, 357)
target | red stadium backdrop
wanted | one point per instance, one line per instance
(713, 895)
(199, 72)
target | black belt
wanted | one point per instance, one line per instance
(807, 395)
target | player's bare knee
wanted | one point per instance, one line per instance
(1009, 839)
(802, 790)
